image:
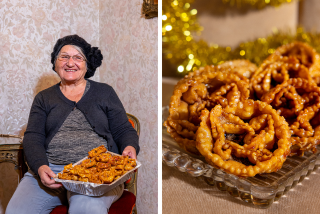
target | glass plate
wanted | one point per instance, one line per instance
(261, 190)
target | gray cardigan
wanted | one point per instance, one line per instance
(101, 107)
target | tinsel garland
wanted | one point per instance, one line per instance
(179, 20)
(256, 3)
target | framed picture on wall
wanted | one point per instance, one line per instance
(150, 8)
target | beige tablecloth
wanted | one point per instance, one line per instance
(182, 193)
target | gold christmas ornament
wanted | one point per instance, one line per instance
(179, 22)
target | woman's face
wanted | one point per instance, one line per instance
(70, 71)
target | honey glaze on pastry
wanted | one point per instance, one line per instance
(99, 168)
(245, 119)
(265, 139)
(203, 89)
(299, 102)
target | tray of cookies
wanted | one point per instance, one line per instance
(97, 173)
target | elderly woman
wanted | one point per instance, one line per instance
(66, 121)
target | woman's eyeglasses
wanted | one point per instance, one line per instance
(76, 58)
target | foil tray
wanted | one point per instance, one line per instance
(93, 189)
(261, 190)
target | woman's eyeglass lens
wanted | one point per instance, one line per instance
(65, 58)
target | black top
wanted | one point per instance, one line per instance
(101, 107)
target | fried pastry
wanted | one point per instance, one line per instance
(67, 167)
(96, 151)
(107, 177)
(102, 165)
(129, 164)
(104, 157)
(88, 163)
(102, 168)
(240, 66)
(199, 90)
(95, 179)
(246, 120)
(304, 53)
(299, 102)
(116, 160)
(219, 130)
(274, 72)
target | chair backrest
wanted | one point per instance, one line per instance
(131, 184)
(135, 122)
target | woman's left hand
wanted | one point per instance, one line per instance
(130, 151)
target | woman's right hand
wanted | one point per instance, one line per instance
(46, 174)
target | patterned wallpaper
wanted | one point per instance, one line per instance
(28, 31)
(129, 45)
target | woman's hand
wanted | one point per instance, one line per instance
(131, 151)
(46, 174)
